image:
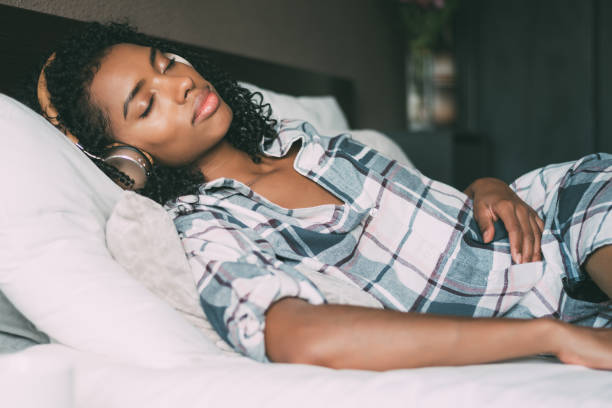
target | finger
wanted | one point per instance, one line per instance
(540, 223)
(537, 245)
(485, 219)
(528, 236)
(505, 211)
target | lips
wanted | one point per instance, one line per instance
(206, 103)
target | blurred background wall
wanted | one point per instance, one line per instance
(535, 79)
(532, 85)
(358, 39)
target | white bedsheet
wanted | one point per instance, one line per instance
(238, 382)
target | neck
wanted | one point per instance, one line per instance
(224, 160)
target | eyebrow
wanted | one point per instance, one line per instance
(139, 84)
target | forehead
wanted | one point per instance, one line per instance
(120, 69)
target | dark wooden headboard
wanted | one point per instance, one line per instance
(27, 35)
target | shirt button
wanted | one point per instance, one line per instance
(373, 212)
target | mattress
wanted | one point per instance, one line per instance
(223, 381)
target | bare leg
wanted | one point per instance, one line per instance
(599, 268)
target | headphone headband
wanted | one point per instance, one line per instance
(177, 58)
(44, 100)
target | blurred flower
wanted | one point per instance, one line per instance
(425, 3)
(427, 23)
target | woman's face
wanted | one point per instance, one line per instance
(166, 109)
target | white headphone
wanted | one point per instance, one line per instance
(177, 58)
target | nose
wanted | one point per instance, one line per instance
(175, 87)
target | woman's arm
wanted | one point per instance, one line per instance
(493, 200)
(361, 338)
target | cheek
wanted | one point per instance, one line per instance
(156, 138)
(156, 132)
(172, 146)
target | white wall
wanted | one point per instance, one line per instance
(358, 39)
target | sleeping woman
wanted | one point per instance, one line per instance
(493, 273)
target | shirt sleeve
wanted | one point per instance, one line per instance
(238, 278)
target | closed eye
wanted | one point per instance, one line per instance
(152, 100)
(149, 107)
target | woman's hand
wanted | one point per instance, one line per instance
(584, 346)
(494, 200)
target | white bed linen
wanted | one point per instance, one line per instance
(239, 382)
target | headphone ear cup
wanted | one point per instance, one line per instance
(130, 161)
(178, 58)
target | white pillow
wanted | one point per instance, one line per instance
(323, 112)
(383, 144)
(54, 264)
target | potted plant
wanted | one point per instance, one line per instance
(429, 63)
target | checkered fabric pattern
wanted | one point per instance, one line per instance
(407, 240)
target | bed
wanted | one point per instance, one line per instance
(116, 342)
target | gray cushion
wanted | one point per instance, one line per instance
(143, 239)
(16, 332)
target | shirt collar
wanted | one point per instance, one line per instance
(288, 131)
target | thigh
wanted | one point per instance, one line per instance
(582, 224)
(599, 268)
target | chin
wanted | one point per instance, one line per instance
(218, 125)
(223, 118)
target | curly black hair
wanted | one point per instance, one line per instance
(69, 78)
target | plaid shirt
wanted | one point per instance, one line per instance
(407, 240)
